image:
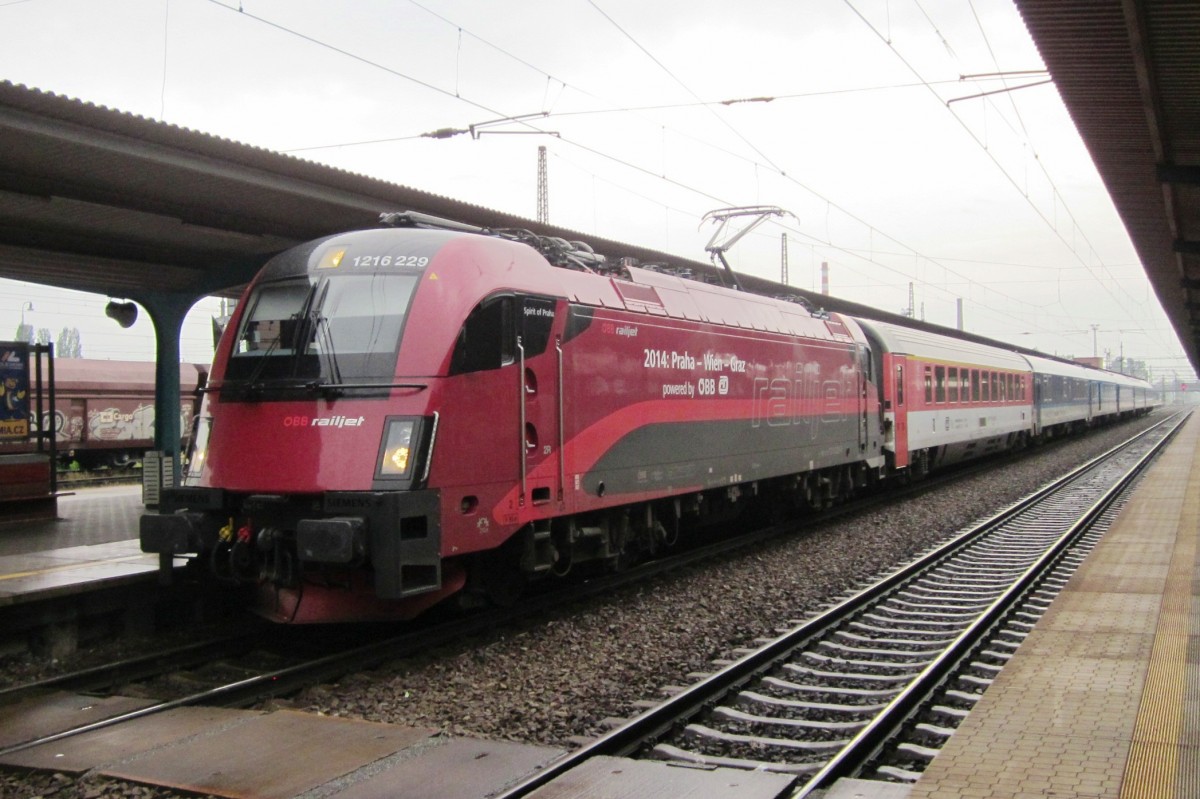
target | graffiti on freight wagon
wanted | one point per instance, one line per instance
(129, 423)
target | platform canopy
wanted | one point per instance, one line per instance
(103, 201)
(1129, 74)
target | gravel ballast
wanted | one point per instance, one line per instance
(563, 677)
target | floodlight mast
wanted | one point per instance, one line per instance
(722, 240)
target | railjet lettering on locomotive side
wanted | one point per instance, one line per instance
(324, 421)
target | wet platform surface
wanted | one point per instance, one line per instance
(93, 541)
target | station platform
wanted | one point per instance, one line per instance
(1103, 698)
(94, 540)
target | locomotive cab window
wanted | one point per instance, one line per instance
(270, 327)
(330, 330)
(487, 339)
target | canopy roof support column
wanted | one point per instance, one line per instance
(167, 311)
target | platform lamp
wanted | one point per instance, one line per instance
(22, 335)
(123, 313)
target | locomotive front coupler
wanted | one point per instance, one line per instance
(182, 525)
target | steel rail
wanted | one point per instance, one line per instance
(282, 681)
(657, 721)
(135, 668)
(871, 738)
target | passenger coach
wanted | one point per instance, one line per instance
(946, 399)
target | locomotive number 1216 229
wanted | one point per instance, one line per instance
(417, 261)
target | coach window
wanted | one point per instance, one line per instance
(952, 385)
(928, 384)
(939, 383)
(486, 340)
(899, 385)
(975, 385)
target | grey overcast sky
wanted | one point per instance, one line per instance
(852, 115)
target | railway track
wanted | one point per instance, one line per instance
(242, 670)
(875, 684)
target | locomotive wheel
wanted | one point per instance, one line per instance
(670, 533)
(563, 551)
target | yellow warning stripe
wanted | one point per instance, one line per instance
(1152, 768)
(68, 567)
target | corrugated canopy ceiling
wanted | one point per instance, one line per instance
(1129, 73)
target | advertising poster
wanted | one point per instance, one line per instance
(14, 391)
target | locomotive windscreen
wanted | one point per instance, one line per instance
(322, 330)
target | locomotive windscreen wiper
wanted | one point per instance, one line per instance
(323, 338)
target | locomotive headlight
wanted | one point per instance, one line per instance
(199, 448)
(396, 456)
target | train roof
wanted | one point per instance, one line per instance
(1049, 366)
(514, 263)
(911, 341)
(134, 377)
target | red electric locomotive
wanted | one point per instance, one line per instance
(402, 414)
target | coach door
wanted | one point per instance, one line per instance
(864, 377)
(899, 410)
(539, 353)
(1038, 392)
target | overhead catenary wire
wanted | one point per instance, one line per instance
(627, 163)
(597, 152)
(991, 156)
